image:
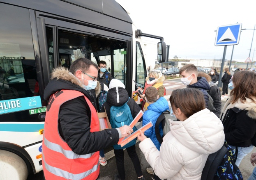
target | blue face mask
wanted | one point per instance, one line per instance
(171, 113)
(103, 70)
(151, 79)
(231, 86)
(91, 85)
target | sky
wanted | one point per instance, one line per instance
(188, 26)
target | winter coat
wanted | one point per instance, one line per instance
(203, 86)
(151, 115)
(106, 78)
(215, 93)
(214, 78)
(226, 77)
(185, 147)
(75, 116)
(239, 120)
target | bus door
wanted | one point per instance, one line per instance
(141, 72)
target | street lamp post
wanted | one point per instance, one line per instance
(250, 47)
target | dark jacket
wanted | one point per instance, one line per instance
(75, 117)
(215, 93)
(240, 125)
(214, 78)
(217, 74)
(226, 77)
(123, 98)
(203, 86)
(106, 78)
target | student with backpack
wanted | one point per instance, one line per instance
(121, 110)
(214, 92)
(186, 146)
(239, 114)
(99, 95)
(156, 107)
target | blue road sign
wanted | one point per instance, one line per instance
(228, 35)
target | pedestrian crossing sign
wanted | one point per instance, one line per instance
(228, 35)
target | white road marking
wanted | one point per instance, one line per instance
(173, 86)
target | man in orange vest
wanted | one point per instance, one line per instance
(72, 139)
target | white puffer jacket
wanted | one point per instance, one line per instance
(186, 147)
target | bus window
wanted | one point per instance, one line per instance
(49, 35)
(140, 70)
(120, 64)
(18, 82)
(73, 46)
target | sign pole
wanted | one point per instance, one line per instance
(231, 58)
(222, 65)
(251, 46)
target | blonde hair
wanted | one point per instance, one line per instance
(154, 73)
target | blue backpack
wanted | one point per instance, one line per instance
(120, 116)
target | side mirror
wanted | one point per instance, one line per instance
(161, 52)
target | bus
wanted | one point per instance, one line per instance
(37, 36)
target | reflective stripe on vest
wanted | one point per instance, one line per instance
(68, 175)
(67, 153)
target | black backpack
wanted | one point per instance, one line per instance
(165, 124)
(221, 165)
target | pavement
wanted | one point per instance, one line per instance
(109, 171)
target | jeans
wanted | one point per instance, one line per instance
(253, 176)
(242, 152)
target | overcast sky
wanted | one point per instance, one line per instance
(188, 25)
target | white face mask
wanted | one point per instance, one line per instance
(186, 81)
(212, 73)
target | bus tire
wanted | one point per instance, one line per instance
(12, 166)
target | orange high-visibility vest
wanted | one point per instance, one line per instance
(59, 161)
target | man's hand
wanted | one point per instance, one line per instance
(253, 159)
(141, 137)
(125, 130)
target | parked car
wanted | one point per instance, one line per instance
(207, 70)
(169, 72)
(199, 69)
(160, 70)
